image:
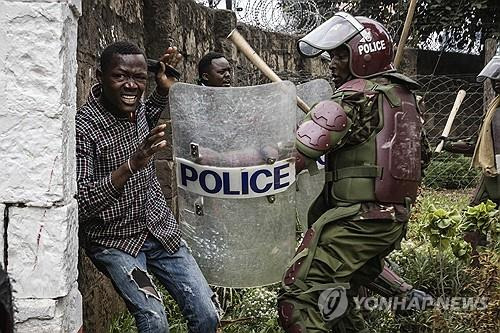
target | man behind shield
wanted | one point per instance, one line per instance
(214, 70)
(370, 133)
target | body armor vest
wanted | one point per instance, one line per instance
(386, 167)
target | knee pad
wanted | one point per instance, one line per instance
(292, 272)
(289, 317)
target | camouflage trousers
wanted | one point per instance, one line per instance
(339, 253)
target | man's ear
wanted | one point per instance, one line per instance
(98, 75)
(204, 76)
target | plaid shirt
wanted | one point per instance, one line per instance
(109, 217)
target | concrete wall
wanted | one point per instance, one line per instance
(39, 225)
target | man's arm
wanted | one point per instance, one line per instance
(324, 128)
(460, 146)
(158, 100)
(155, 105)
(95, 195)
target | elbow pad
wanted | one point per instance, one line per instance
(322, 129)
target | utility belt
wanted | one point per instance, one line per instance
(364, 175)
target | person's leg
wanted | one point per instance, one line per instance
(314, 298)
(183, 279)
(134, 285)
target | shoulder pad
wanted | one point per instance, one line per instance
(323, 129)
(411, 84)
(354, 85)
(329, 115)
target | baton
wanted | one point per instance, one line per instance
(242, 45)
(404, 34)
(154, 67)
(451, 117)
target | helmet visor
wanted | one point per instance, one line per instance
(337, 30)
(491, 70)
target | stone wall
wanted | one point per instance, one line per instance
(39, 243)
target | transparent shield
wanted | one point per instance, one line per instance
(237, 242)
(309, 187)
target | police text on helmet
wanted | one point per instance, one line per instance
(375, 46)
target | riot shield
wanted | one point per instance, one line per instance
(235, 178)
(308, 187)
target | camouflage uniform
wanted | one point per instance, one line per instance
(370, 132)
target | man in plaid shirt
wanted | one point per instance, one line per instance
(128, 228)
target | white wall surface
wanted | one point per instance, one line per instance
(38, 41)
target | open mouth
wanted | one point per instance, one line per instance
(129, 99)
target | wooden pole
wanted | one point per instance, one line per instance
(451, 117)
(404, 34)
(250, 53)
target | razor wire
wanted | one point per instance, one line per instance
(285, 16)
(293, 16)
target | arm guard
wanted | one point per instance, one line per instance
(322, 129)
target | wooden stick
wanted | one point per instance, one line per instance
(404, 34)
(451, 117)
(245, 48)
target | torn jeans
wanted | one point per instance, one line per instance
(179, 274)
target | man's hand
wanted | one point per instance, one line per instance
(164, 82)
(152, 143)
(459, 146)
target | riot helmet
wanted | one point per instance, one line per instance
(370, 45)
(491, 70)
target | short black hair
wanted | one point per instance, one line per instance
(206, 61)
(121, 47)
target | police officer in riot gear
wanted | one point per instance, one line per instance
(370, 133)
(486, 148)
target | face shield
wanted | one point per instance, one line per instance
(339, 29)
(491, 70)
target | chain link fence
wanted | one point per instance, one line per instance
(448, 170)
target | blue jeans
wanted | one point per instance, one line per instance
(178, 272)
